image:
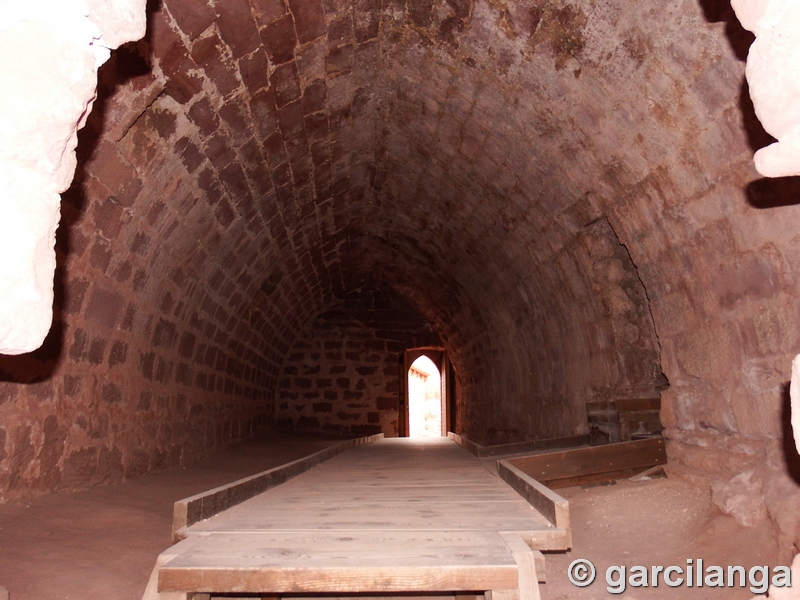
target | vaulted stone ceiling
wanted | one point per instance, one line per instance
(460, 153)
(564, 190)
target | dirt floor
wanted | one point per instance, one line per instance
(657, 522)
(102, 544)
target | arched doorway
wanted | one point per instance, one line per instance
(424, 399)
(436, 369)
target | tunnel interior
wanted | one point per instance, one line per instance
(274, 200)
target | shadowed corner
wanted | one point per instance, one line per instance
(740, 40)
(790, 454)
(757, 137)
(721, 11)
(773, 192)
(39, 365)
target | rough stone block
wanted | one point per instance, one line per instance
(213, 56)
(309, 19)
(192, 17)
(237, 26)
(286, 84)
(104, 307)
(254, 71)
(290, 119)
(280, 40)
(183, 83)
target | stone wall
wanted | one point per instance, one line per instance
(343, 374)
(564, 191)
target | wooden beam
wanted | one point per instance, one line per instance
(465, 443)
(552, 506)
(637, 404)
(530, 446)
(340, 562)
(608, 458)
(526, 566)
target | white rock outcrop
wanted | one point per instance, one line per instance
(773, 74)
(794, 394)
(52, 50)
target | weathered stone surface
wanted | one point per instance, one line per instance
(741, 498)
(564, 193)
(342, 375)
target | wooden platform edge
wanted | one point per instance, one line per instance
(572, 467)
(552, 506)
(560, 443)
(206, 504)
(465, 443)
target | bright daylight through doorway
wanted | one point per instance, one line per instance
(424, 399)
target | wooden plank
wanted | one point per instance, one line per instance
(554, 538)
(388, 579)
(594, 478)
(357, 562)
(543, 445)
(512, 594)
(596, 459)
(466, 547)
(646, 416)
(602, 406)
(465, 443)
(151, 592)
(382, 597)
(637, 404)
(378, 521)
(202, 506)
(262, 515)
(323, 499)
(549, 504)
(416, 490)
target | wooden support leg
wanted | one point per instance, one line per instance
(151, 591)
(502, 595)
(526, 566)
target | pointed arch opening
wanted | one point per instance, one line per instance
(427, 395)
(424, 399)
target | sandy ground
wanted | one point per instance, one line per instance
(658, 522)
(102, 544)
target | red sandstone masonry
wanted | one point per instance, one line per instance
(492, 166)
(342, 375)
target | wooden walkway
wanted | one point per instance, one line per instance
(388, 517)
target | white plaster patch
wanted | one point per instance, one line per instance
(53, 49)
(773, 74)
(794, 393)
